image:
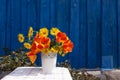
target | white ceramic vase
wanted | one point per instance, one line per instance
(48, 62)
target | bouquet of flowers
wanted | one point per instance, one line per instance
(44, 42)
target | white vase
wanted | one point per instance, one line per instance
(49, 62)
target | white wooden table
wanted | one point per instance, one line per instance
(35, 73)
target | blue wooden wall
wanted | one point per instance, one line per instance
(93, 26)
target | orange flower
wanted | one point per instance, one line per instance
(67, 46)
(39, 43)
(35, 47)
(44, 42)
(37, 37)
(32, 56)
(61, 37)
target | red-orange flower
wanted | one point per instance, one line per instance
(61, 37)
(35, 47)
(42, 43)
(37, 37)
(68, 46)
(45, 42)
(39, 43)
(34, 50)
(32, 56)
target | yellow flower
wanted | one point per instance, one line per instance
(60, 50)
(53, 50)
(45, 51)
(44, 32)
(30, 33)
(21, 38)
(54, 31)
(27, 45)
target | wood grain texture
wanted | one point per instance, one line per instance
(118, 34)
(74, 33)
(45, 13)
(109, 34)
(15, 23)
(30, 73)
(93, 21)
(93, 26)
(83, 33)
(2, 25)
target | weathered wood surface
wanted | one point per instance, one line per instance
(36, 73)
(112, 75)
(104, 75)
(93, 26)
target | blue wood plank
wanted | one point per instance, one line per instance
(114, 35)
(2, 43)
(99, 37)
(60, 14)
(38, 13)
(2, 25)
(15, 23)
(31, 13)
(53, 15)
(118, 33)
(93, 13)
(67, 16)
(74, 34)
(119, 45)
(24, 17)
(8, 24)
(83, 35)
(45, 14)
(108, 23)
